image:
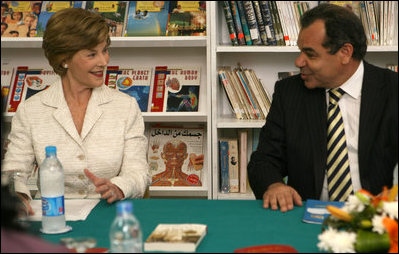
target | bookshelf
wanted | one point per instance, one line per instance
(143, 51)
(266, 61)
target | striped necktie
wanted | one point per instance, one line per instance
(338, 173)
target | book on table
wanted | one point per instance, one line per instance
(316, 212)
(183, 237)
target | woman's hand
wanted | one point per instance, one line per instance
(105, 188)
(26, 202)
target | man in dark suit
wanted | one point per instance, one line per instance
(294, 140)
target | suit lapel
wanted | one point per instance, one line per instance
(371, 110)
(62, 115)
(99, 96)
(317, 122)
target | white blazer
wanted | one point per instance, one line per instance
(111, 145)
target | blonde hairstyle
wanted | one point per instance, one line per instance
(70, 30)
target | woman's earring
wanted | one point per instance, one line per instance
(65, 66)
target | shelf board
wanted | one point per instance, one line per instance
(118, 42)
(155, 117)
(248, 49)
(229, 122)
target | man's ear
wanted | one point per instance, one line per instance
(346, 52)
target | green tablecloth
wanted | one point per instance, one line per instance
(231, 224)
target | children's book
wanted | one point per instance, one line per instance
(187, 18)
(147, 18)
(175, 237)
(134, 81)
(176, 155)
(51, 7)
(6, 77)
(114, 12)
(316, 212)
(176, 89)
(19, 18)
(27, 82)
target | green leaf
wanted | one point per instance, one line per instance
(367, 242)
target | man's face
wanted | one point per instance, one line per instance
(317, 66)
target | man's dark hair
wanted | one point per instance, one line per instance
(342, 26)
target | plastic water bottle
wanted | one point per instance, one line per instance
(125, 233)
(51, 176)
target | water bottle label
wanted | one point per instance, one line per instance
(53, 206)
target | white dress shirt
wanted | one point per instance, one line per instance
(111, 144)
(349, 105)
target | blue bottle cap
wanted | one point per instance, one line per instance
(51, 150)
(124, 207)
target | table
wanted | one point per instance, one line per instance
(232, 224)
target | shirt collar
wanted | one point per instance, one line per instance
(353, 86)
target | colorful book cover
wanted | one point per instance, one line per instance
(114, 13)
(229, 22)
(176, 89)
(147, 18)
(28, 82)
(233, 165)
(51, 7)
(316, 212)
(19, 18)
(6, 77)
(237, 22)
(135, 81)
(224, 166)
(176, 156)
(187, 18)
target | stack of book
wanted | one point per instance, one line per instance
(277, 23)
(246, 94)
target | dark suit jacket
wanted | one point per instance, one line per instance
(293, 142)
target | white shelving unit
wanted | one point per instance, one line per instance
(266, 61)
(144, 51)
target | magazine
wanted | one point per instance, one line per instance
(147, 18)
(28, 82)
(176, 156)
(134, 81)
(187, 18)
(6, 77)
(316, 212)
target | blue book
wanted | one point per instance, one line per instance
(224, 166)
(147, 18)
(316, 212)
(51, 7)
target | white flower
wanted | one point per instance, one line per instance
(378, 226)
(391, 209)
(337, 241)
(353, 204)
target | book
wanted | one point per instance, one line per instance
(224, 166)
(114, 12)
(147, 18)
(51, 7)
(6, 77)
(186, 18)
(28, 81)
(244, 23)
(259, 19)
(233, 166)
(175, 155)
(252, 23)
(20, 18)
(176, 89)
(237, 22)
(267, 18)
(231, 94)
(316, 212)
(229, 22)
(183, 237)
(134, 81)
(243, 144)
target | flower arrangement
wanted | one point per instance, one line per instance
(366, 223)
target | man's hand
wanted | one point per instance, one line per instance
(283, 195)
(26, 202)
(105, 188)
